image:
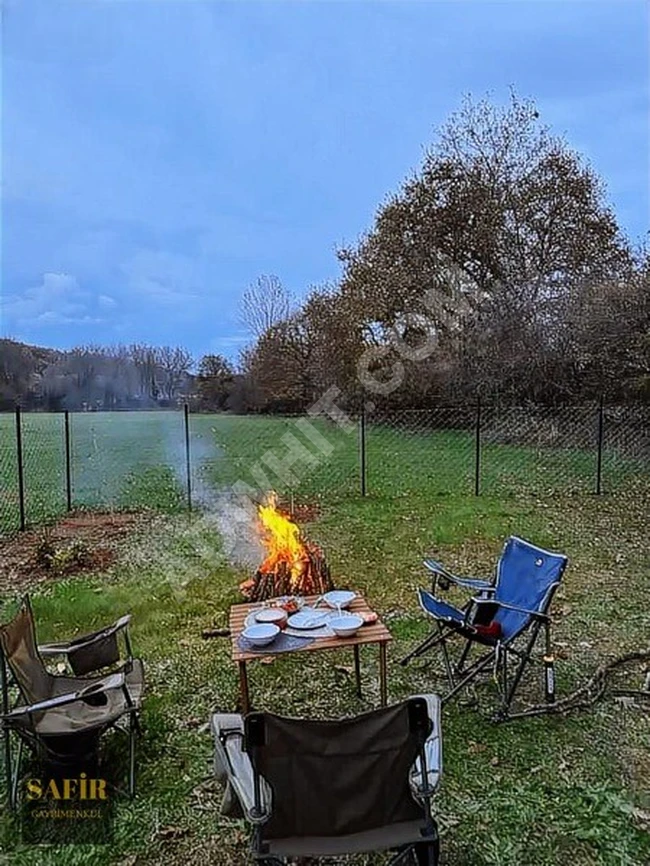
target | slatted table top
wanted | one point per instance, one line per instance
(375, 633)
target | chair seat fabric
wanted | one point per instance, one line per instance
(391, 836)
(456, 619)
(233, 768)
(441, 609)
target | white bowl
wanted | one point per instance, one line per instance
(345, 626)
(339, 598)
(274, 615)
(260, 635)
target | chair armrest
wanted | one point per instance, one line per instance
(538, 614)
(51, 703)
(436, 567)
(233, 767)
(64, 647)
(113, 681)
(432, 751)
(476, 584)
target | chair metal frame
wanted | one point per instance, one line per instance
(498, 650)
(92, 685)
(425, 850)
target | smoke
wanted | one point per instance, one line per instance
(238, 529)
(222, 509)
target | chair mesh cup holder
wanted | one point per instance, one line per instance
(101, 653)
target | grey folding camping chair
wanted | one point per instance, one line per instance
(59, 717)
(512, 608)
(327, 788)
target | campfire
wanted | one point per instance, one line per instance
(292, 566)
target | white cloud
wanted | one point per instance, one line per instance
(106, 302)
(229, 341)
(163, 277)
(230, 345)
(53, 318)
(57, 300)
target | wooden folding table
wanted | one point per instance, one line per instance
(367, 634)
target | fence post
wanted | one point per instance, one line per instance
(188, 464)
(477, 450)
(362, 448)
(599, 459)
(21, 476)
(68, 472)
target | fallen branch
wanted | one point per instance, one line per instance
(591, 691)
(215, 632)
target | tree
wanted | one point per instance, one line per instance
(214, 382)
(145, 363)
(279, 366)
(21, 368)
(264, 304)
(503, 216)
(174, 364)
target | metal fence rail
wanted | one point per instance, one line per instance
(51, 463)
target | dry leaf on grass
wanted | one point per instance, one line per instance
(172, 832)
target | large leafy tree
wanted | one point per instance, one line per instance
(503, 222)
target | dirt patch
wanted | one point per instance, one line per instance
(81, 541)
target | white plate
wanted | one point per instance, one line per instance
(308, 618)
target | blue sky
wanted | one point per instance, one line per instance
(158, 156)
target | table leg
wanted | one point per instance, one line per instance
(383, 686)
(243, 688)
(357, 669)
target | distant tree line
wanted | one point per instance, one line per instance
(93, 377)
(537, 295)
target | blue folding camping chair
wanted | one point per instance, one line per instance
(511, 608)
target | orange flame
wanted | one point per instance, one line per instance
(281, 539)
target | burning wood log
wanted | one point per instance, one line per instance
(292, 566)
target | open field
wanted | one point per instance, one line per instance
(138, 459)
(535, 792)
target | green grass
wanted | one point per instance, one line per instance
(535, 792)
(133, 459)
(539, 791)
(401, 461)
(118, 460)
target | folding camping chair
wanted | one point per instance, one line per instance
(516, 605)
(328, 788)
(61, 718)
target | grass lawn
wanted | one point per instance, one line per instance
(136, 459)
(539, 791)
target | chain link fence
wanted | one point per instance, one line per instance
(51, 463)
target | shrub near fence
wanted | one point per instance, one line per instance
(141, 459)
